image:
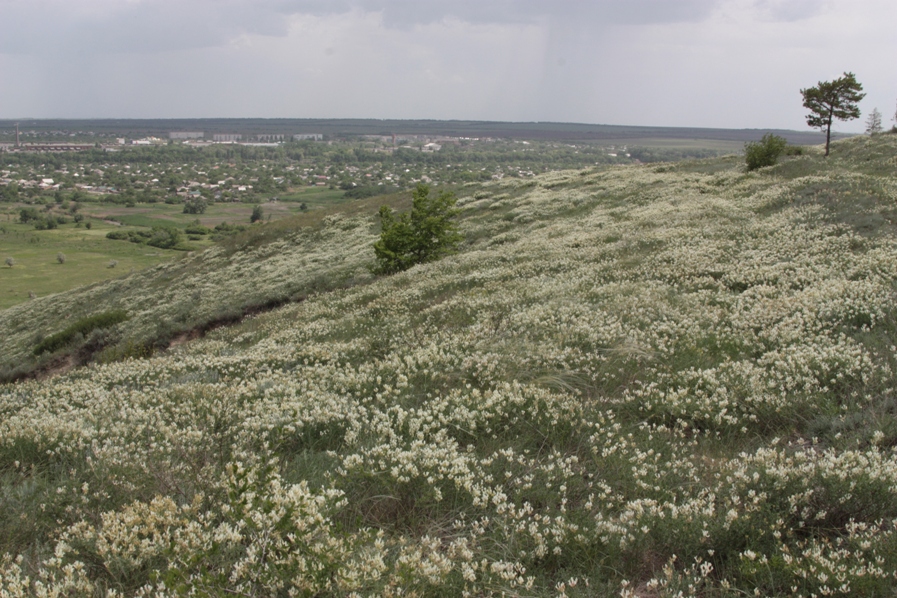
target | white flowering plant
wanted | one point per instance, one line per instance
(661, 380)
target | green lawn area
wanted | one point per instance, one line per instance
(162, 214)
(314, 196)
(88, 254)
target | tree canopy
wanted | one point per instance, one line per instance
(830, 100)
(426, 234)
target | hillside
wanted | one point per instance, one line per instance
(635, 381)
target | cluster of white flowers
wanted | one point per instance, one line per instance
(674, 381)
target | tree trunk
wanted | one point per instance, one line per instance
(828, 136)
(828, 130)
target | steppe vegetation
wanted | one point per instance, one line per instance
(183, 197)
(648, 380)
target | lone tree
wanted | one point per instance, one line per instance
(873, 122)
(830, 100)
(424, 235)
(195, 205)
(257, 214)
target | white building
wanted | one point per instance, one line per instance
(186, 135)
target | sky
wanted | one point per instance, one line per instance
(680, 63)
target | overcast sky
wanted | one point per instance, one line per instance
(703, 63)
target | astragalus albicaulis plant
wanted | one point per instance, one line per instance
(644, 381)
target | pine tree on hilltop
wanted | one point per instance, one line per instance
(830, 100)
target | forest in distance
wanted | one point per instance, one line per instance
(335, 128)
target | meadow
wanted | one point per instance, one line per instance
(90, 257)
(656, 380)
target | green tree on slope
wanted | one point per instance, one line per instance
(830, 100)
(423, 235)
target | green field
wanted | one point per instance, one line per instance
(88, 257)
(88, 253)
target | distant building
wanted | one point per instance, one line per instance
(186, 135)
(226, 137)
(147, 141)
(308, 137)
(269, 137)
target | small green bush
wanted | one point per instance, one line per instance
(164, 237)
(225, 229)
(765, 152)
(424, 235)
(83, 326)
(365, 191)
(197, 229)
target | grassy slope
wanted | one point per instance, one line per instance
(647, 380)
(283, 260)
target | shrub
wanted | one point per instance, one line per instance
(164, 237)
(369, 191)
(765, 152)
(60, 257)
(196, 205)
(426, 234)
(83, 326)
(224, 229)
(27, 215)
(197, 229)
(256, 214)
(10, 262)
(46, 223)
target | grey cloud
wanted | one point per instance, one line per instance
(51, 26)
(789, 10)
(101, 26)
(404, 13)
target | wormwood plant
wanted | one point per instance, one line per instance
(424, 235)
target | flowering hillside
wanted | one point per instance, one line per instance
(646, 381)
